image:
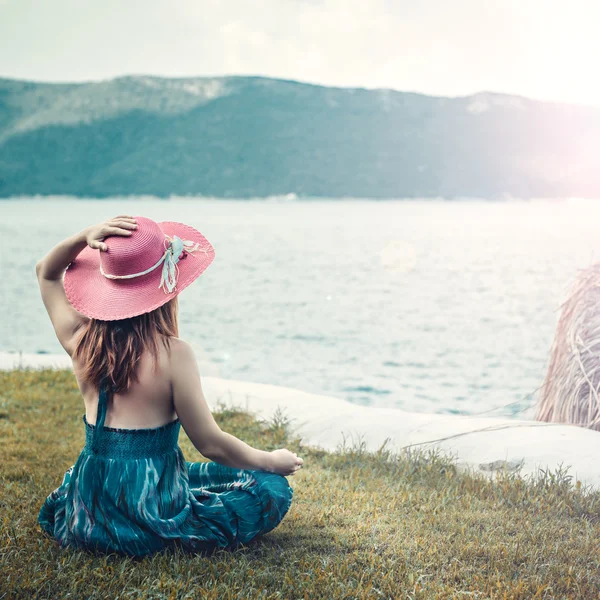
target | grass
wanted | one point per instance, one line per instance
(362, 525)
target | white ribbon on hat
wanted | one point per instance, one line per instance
(171, 256)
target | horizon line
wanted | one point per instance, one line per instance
(300, 82)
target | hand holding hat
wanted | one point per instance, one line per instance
(96, 234)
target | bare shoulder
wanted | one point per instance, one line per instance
(181, 351)
(182, 363)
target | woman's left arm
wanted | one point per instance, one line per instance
(50, 270)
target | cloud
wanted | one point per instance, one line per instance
(539, 48)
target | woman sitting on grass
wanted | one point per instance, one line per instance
(131, 490)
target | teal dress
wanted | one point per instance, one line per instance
(132, 492)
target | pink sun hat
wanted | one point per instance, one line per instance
(137, 273)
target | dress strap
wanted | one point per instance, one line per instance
(100, 414)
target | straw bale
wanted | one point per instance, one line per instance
(570, 390)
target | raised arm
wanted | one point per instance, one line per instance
(50, 270)
(203, 431)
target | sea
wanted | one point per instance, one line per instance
(431, 306)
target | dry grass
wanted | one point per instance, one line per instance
(570, 390)
(362, 525)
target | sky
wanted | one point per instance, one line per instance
(543, 49)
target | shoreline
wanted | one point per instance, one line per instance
(482, 445)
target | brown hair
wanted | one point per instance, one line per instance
(110, 350)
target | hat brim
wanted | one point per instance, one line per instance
(99, 297)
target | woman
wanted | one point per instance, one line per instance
(111, 294)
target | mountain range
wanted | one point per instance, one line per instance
(238, 136)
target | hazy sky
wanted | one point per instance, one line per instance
(546, 49)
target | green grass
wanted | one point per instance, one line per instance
(362, 525)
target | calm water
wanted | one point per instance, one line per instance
(428, 306)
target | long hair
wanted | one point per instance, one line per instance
(110, 350)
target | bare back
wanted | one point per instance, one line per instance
(148, 403)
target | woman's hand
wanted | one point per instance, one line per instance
(96, 234)
(285, 462)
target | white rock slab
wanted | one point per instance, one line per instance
(478, 444)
